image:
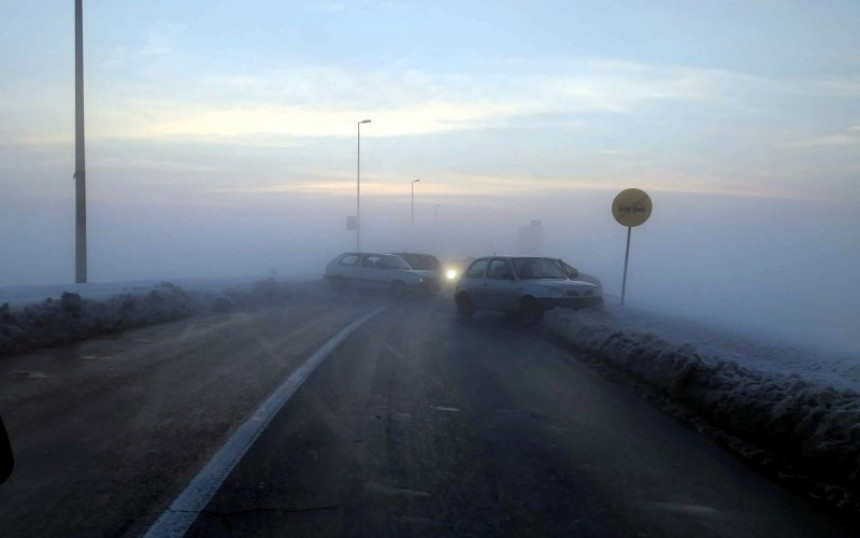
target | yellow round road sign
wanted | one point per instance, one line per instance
(631, 207)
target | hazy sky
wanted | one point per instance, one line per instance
(221, 135)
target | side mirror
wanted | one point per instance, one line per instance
(7, 462)
(573, 273)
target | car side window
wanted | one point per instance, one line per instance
(477, 270)
(500, 270)
(349, 259)
(372, 262)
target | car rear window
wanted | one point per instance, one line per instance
(424, 262)
(395, 262)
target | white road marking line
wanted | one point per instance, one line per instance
(449, 409)
(177, 519)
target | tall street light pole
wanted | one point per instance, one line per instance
(414, 181)
(436, 214)
(80, 167)
(358, 191)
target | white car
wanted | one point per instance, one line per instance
(380, 271)
(525, 286)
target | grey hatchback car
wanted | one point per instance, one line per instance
(522, 285)
(379, 271)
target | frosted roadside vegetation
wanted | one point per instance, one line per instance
(40, 316)
(795, 412)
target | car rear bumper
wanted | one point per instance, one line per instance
(429, 286)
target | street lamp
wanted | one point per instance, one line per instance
(436, 214)
(358, 191)
(414, 181)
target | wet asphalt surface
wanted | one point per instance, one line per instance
(419, 424)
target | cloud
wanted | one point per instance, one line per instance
(848, 87)
(116, 57)
(159, 40)
(313, 100)
(850, 137)
(178, 120)
(153, 165)
(329, 7)
(156, 44)
(601, 85)
(465, 186)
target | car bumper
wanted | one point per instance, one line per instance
(429, 286)
(574, 303)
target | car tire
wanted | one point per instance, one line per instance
(337, 284)
(531, 312)
(464, 306)
(398, 289)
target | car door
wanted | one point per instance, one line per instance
(346, 267)
(501, 288)
(369, 274)
(473, 282)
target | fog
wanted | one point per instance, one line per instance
(786, 267)
(210, 157)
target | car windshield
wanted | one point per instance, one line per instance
(396, 262)
(567, 269)
(538, 269)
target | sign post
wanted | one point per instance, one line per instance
(630, 208)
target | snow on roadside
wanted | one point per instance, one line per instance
(801, 408)
(26, 295)
(46, 316)
(748, 347)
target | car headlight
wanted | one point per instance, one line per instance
(451, 274)
(420, 280)
(556, 293)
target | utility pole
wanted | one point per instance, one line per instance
(80, 165)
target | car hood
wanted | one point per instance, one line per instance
(585, 277)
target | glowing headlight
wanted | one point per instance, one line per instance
(556, 293)
(451, 274)
(420, 280)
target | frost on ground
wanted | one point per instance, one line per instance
(69, 317)
(760, 402)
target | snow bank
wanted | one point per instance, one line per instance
(805, 431)
(70, 317)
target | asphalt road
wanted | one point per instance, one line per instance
(417, 425)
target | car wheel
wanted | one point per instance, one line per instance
(398, 289)
(465, 306)
(337, 283)
(531, 312)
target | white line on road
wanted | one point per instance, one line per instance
(177, 519)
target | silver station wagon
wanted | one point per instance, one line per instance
(379, 271)
(525, 286)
